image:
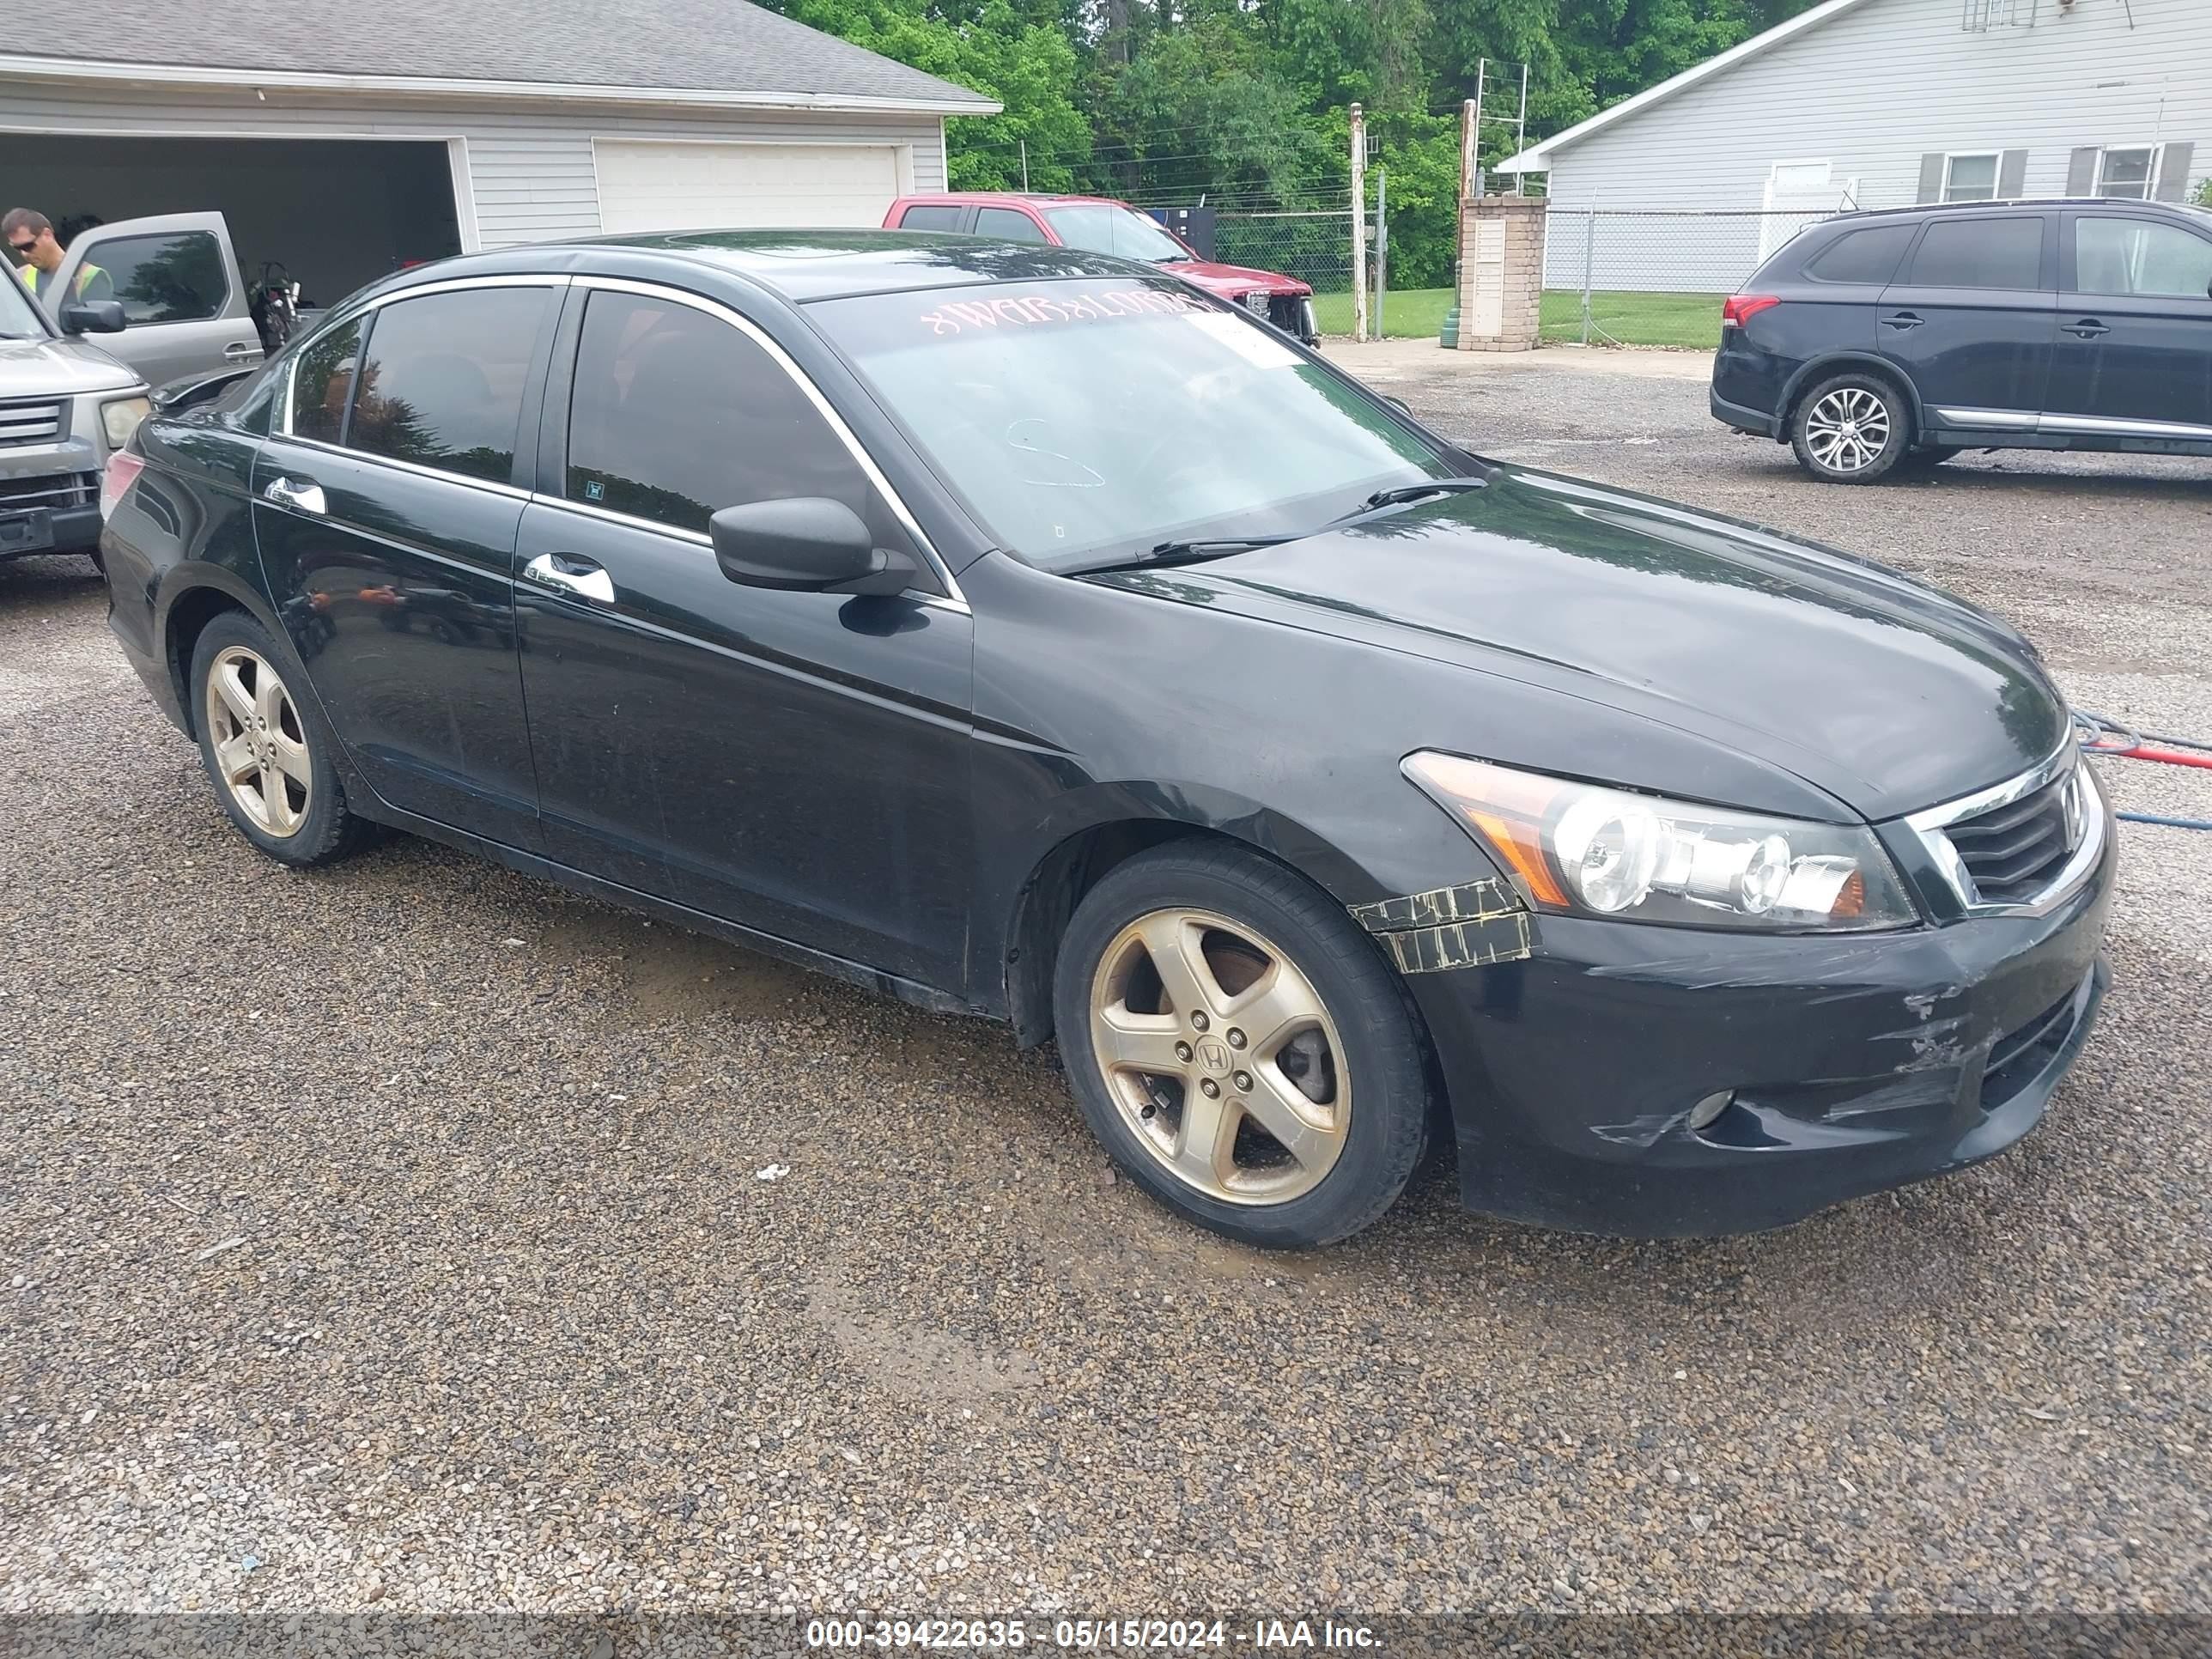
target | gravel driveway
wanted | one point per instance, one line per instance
(404, 1234)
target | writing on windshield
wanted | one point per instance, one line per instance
(1072, 306)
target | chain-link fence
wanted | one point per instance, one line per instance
(1653, 275)
(1311, 244)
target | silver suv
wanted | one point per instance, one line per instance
(65, 405)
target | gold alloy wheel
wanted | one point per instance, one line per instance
(260, 748)
(1221, 1056)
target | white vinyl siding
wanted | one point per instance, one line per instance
(687, 186)
(1878, 91)
(530, 176)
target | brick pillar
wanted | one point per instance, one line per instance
(1501, 273)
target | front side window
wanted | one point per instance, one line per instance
(2141, 257)
(1110, 227)
(1008, 225)
(1971, 178)
(1993, 252)
(676, 415)
(2125, 174)
(442, 378)
(176, 278)
(1084, 420)
(322, 384)
(18, 320)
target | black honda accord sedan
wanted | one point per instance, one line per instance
(1020, 632)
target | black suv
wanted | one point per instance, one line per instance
(1881, 341)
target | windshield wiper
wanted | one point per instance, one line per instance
(1419, 492)
(1192, 552)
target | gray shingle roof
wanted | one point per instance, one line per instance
(659, 45)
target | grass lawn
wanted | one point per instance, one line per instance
(1648, 320)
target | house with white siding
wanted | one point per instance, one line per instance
(345, 139)
(1877, 103)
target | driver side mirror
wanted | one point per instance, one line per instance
(92, 317)
(807, 543)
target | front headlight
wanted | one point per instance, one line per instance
(1584, 850)
(121, 419)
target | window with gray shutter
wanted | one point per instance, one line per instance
(2082, 170)
(2012, 175)
(1931, 177)
(2173, 172)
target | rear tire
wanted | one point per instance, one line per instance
(1851, 429)
(1279, 1097)
(266, 750)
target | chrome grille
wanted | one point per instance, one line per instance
(2012, 851)
(33, 423)
(2021, 846)
(54, 489)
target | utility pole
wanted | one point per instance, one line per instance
(1381, 247)
(1475, 143)
(1359, 225)
(1520, 129)
(1467, 151)
(1025, 166)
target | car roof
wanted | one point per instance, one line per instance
(988, 198)
(797, 264)
(2024, 204)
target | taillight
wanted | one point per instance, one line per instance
(1739, 308)
(123, 471)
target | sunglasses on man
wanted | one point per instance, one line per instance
(22, 250)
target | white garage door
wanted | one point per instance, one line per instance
(689, 186)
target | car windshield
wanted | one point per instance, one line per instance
(19, 320)
(1084, 422)
(1110, 227)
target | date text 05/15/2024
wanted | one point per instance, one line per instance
(1091, 1635)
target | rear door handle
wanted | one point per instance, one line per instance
(239, 351)
(2087, 329)
(1903, 319)
(300, 497)
(573, 575)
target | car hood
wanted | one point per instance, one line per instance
(35, 368)
(1885, 694)
(1230, 280)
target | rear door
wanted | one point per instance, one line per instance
(178, 281)
(1972, 316)
(2135, 330)
(385, 513)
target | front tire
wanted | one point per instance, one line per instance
(269, 756)
(1852, 429)
(1240, 1047)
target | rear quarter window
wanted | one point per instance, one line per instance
(1870, 255)
(931, 218)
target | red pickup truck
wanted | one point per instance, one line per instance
(1102, 225)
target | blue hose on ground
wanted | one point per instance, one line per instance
(2165, 824)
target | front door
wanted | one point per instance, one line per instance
(796, 762)
(177, 280)
(1973, 317)
(386, 516)
(2135, 330)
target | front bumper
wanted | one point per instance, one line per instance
(76, 530)
(1858, 1063)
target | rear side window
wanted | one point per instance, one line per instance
(176, 278)
(676, 415)
(322, 385)
(1007, 225)
(442, 378)
(2005, 253)
(2140, 257)
(1862, 256)
(932, 218)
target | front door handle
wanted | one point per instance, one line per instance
(239, 351)
(2087, 329)
(300, 497)
(1903, 319)
(573, 575)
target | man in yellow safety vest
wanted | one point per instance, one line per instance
(32, 242)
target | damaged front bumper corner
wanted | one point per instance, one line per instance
(1576, 1054)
